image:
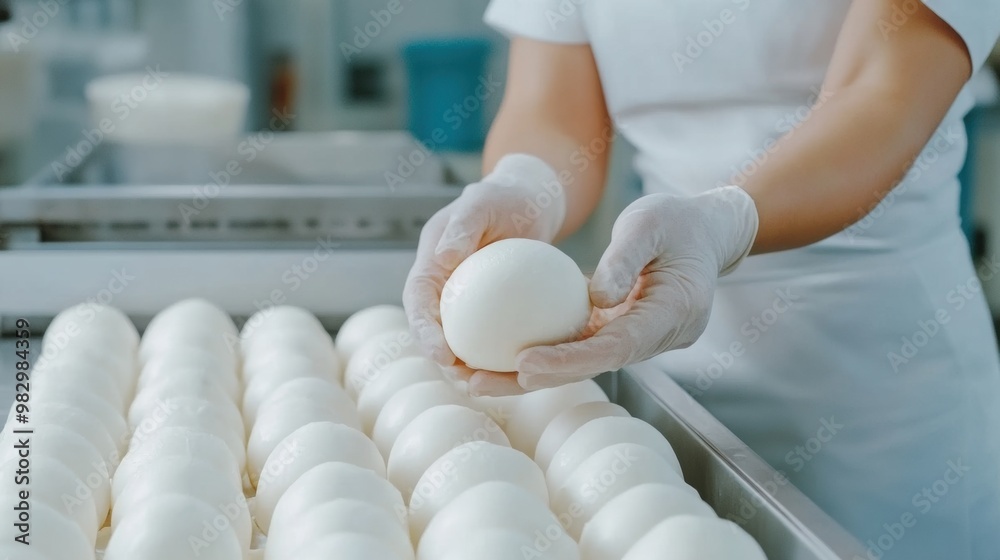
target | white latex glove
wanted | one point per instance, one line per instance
(522, 197)
(653, 286)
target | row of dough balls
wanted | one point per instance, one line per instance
(321, 488)
(79, 387)
(179, 490)
(447, 454)
(613, 480)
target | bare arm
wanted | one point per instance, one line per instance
(553, 107)
(886, 95)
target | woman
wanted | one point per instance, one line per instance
(856, 353)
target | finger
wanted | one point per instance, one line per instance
(462, 236)
(458, 373)
(630, 251)
(493, 384)
(422, 292)
(631, 337)
(539, 382)
(421, 300)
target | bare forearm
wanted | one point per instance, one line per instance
(850, 152)
(582, 170)
(554, 109)
(883, 99)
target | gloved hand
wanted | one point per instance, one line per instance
(654, 285)
(522, 197)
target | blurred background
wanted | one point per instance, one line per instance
(319, 97)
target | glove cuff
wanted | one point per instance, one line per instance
(742, 226)
(545, 196)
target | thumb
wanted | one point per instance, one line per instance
(460, 238)
(619, 268)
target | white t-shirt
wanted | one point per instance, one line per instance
(878, 332)
(704, 89)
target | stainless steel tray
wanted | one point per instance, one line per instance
(736, 482)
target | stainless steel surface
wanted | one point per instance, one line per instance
(737, 483)
(331, 247)
(46, 217)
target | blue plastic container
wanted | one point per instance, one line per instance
(448, 87)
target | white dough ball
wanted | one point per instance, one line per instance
(57, 482)
(118, 365)
(365, 324)
(511, 295)
(81, 422)
(273, 351)
(616, 469)
(493, 505)
(175, 442)
(464, 467)
(77, 377)
(192, 312)
(279, 419)
(433, 433)
(72, 450)
(187, 476)
(170, 527)
(278, 319)
(600, 433)
(397, 375)
(533, 411)
(164, 367)
(305, 448)
(111, 419)
(626, 518)
(406, 405)
(191, 323)
(197, 415)
(108, 321)
(567, 422)
(184, 384)
(505, 544)
(343, 515)
(297, 380)
(347, 546)
(368, 361)
(333, 481)
(221, 416)
(53, 535)
(690, 537)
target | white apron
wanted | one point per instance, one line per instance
(865, 366)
